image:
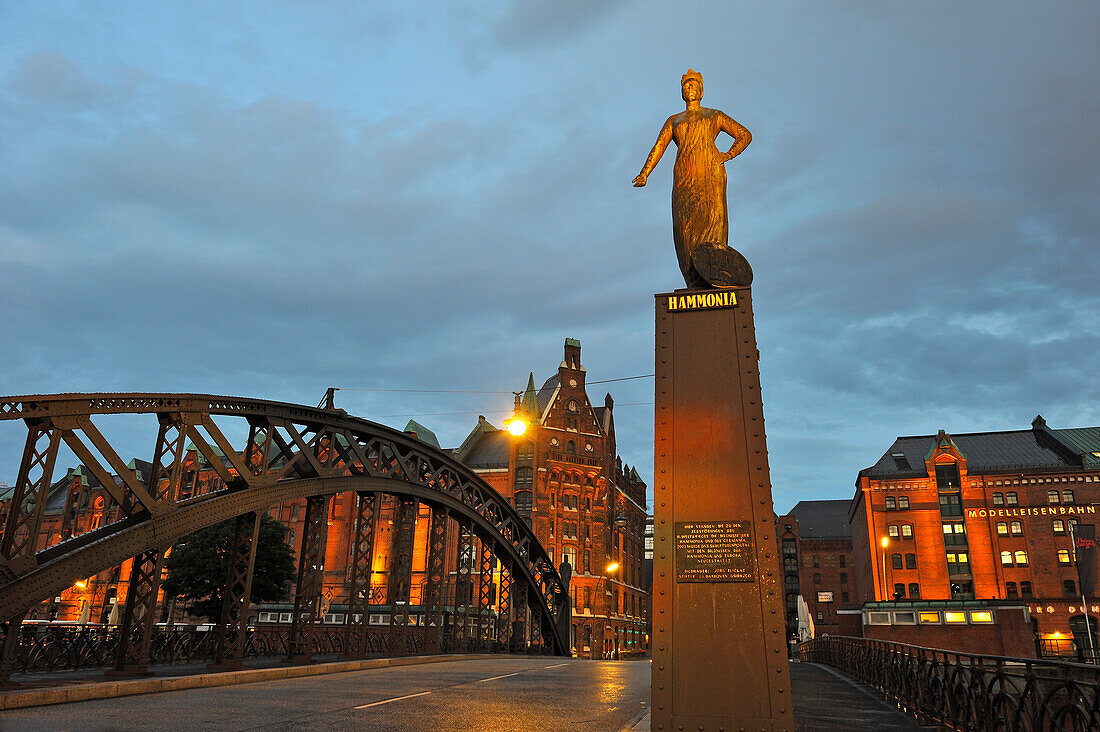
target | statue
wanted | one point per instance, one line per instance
(700, 225)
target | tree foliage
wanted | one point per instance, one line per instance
(198, 566)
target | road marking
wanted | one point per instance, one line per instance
(503, 676)
(556, 665)
(396, 698)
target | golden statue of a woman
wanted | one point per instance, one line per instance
(699, 188)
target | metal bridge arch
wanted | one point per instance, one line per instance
(291, 451)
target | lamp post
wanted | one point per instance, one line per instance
(606, 606)
(884, 543)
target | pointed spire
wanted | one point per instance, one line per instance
(530, 401)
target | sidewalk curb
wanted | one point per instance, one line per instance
(114, 689)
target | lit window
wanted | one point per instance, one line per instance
(954, 616)
(907, 531)
(1059, 526)
(981, 616)
(1052, 497)
(1063, 556)
(1021, 558)
(892, 530)
(903, 501)
(1017, 527)
(1067, 496)
(1010, 498)
(930, 617)
(1002, 528)
(998, 499)
(1006, 559)
(891, 503)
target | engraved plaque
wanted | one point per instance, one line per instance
(714, 551)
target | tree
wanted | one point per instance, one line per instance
(198, 566)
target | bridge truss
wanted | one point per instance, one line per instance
(290, 452)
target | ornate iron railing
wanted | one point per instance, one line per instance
(964, 691)
(67, 648)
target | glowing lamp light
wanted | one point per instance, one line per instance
(517, 426)
(79, 585)
(885, 542)
(612, 567)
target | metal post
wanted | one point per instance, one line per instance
(357, 622)
(433, 591)
(139, 617)
(233, 622)
(504, 604)
(485, 598)
(463, 588)
(311, 570)
(1084, 602)
(401, 573)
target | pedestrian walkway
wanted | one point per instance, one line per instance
(826, 700)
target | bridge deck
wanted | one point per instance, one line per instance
(492, 694)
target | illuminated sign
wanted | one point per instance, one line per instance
(1040, 609)
(824, 597)
(1037, 511)
(703, 301)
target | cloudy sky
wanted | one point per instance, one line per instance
(267, 199)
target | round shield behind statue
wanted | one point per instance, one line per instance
(721, 266)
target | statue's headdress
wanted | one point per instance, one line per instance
(691, 74)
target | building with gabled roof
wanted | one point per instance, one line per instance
(984, 516)
(586, 506)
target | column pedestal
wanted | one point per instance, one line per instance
(719, 634)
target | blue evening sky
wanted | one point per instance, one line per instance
(269, 198)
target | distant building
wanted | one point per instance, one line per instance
(816, 547)
(983, 517)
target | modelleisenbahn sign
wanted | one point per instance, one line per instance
(1032, 511)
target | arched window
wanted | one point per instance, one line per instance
(1017, 527)
(914, 591)
(899, 591)
(587, 561)
(523, 500)
(1052, 497)
(1006, 558)
(569, 554)
(1059, 526)
(1025, 589)
(1010, 590)
(910, 561)
(1067, 496)
(791, 581)
(891, 503)
(998, 499)
(903, 502)
(790, 564)
(895, 561)
(1063, 556)
(571, 448)
(1002, 528)
(572, 406)
(892, 530)
(1021, 558)
(1010, 498)
(907, 531)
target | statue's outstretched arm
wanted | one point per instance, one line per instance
(655, 154)
(741, 136)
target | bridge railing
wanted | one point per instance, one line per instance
(965, 691)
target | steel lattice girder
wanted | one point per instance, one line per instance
(357, 621)
(232, 625)
(330, 445)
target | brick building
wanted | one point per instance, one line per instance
(816, 546)
(586, 507)
(984, 516)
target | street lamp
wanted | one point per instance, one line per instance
(606, 605)
(884, 543)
